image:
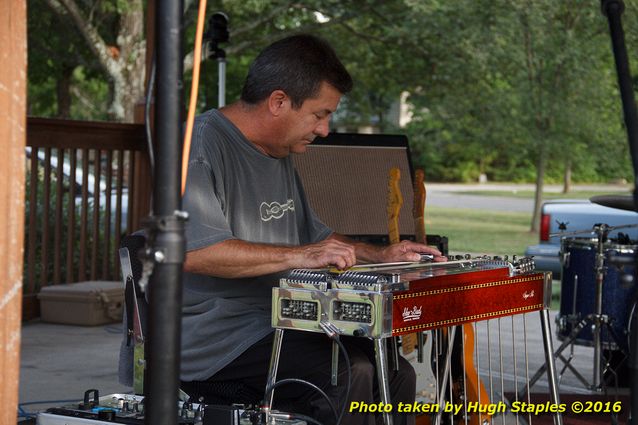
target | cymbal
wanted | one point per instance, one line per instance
(621, 202)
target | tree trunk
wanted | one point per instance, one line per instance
(538, 197)
(567, 178)
(63, 92)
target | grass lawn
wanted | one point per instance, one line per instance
(485, 232)
(480, 231)
(577, 194)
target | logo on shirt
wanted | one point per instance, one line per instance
(275, 209)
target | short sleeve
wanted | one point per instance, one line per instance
(207, 223)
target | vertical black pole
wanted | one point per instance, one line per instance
(166, 232)
(613, 9)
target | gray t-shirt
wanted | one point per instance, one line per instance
(234, 191)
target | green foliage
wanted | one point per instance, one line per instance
(493, 85)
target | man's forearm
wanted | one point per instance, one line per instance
(236, 258)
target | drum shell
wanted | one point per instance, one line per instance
(578, 291)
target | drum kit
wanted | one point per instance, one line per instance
(598, 294)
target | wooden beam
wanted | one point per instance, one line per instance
(13, 75)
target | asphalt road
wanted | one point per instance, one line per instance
(449, 195)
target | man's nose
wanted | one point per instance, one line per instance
(323, 127)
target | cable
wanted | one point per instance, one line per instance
(197, 59)
(305, 418)
(339, 417)
(310, 384)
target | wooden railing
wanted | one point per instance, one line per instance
(87, 185)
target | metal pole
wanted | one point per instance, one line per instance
(612, 9)
(166, 227)
(549, 361)
(221, 81)
(382, 376)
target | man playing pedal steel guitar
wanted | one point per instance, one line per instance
(250, 222)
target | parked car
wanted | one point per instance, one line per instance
(78, 184)
(576, 219)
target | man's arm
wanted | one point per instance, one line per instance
(402, 251)
(235, 258)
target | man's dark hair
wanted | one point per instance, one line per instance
(297, 65)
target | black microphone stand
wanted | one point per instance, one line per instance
(218, 33)
(166, 227)
(612, 9)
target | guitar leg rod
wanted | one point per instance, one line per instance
(395, 353)
(335, 363)
(446, 372)
(382, 376)
(551, 368)
(274, 364)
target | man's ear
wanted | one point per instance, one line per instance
(278, 102)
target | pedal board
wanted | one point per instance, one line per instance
(130, 409)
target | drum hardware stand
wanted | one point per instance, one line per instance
(597, 320)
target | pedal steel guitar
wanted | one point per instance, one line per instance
(392, 299)
(380, 301)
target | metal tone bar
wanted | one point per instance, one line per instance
(382, 376)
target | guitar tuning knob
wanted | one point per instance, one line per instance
(468, 256)
(506, 257)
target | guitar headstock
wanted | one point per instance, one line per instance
(395, 201)
(419, 193)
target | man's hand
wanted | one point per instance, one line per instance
(329, 252)
(409, 251)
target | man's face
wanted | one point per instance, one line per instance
(299, 127)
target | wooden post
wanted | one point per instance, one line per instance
(13, 74)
